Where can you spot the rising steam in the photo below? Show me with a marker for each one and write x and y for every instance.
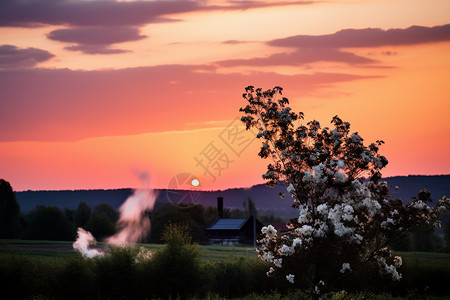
(133, 224)
(83, 242)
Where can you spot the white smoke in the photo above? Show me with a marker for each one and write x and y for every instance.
(83, 243)
(133, 224)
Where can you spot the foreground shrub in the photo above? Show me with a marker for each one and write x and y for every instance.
(75, 279)
(176, 267)
(116, 273)
(237, 278)
(127, 274)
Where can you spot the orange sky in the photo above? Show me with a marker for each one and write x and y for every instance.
(92, 94)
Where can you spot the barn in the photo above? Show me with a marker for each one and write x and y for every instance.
(227, 231)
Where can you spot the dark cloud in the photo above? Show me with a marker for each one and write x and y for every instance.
(28, 13)
(44, 104)
(369, 37)
(13, 57)
(96, 40)
(96, 35)
(328, 48)
(95, 49)
(299, 57)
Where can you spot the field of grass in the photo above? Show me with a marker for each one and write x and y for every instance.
(62, 249)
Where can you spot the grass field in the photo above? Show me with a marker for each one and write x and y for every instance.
(60, 249)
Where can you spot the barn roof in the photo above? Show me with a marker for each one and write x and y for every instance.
(228, 224)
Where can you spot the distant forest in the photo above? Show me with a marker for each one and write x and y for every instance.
(267, 200)
(55, 215)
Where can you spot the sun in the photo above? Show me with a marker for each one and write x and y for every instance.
(195, 182)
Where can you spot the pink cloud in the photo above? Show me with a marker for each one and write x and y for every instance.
(72, 105)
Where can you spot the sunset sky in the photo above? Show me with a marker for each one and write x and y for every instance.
(93, 94)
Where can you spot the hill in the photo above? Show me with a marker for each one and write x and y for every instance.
(267, 199)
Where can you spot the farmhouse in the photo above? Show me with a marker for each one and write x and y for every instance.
(233, 231)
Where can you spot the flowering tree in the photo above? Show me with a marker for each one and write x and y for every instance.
(346, 220)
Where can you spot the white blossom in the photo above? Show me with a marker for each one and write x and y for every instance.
(372, 206)
(322, 229)
(341, 230)
(348, 213)
(356, 139)
(306, 230)
(419, 205)
(356, 238)
(322, 209)
(340, 177)
(268, 256)
(389, 269)
(398, 262)
(345, 267)
(307, 176)
(286, 250)
(269, 231)
(335, 134)
(304, 214)
(319, 176)
(340, 164)
(290, 188)
(385, 224)
(277, 262)
(366, 158)
(297, 242)
(290, 278)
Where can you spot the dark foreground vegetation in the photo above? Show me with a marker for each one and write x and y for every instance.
(179, 270)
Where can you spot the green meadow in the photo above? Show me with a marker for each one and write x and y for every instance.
(50, 249)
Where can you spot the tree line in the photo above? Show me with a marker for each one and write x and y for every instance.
(53, 223)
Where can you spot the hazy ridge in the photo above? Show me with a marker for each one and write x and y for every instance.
(267, 199)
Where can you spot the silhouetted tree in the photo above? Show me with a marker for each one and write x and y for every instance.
(69, 213)
(48, 223)
(191, 215)
(9, 211)
(249, 207)
(108, 211)
(82, 215)
(100, 226)
(447, 233)
(423, 240)
(177, 265)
